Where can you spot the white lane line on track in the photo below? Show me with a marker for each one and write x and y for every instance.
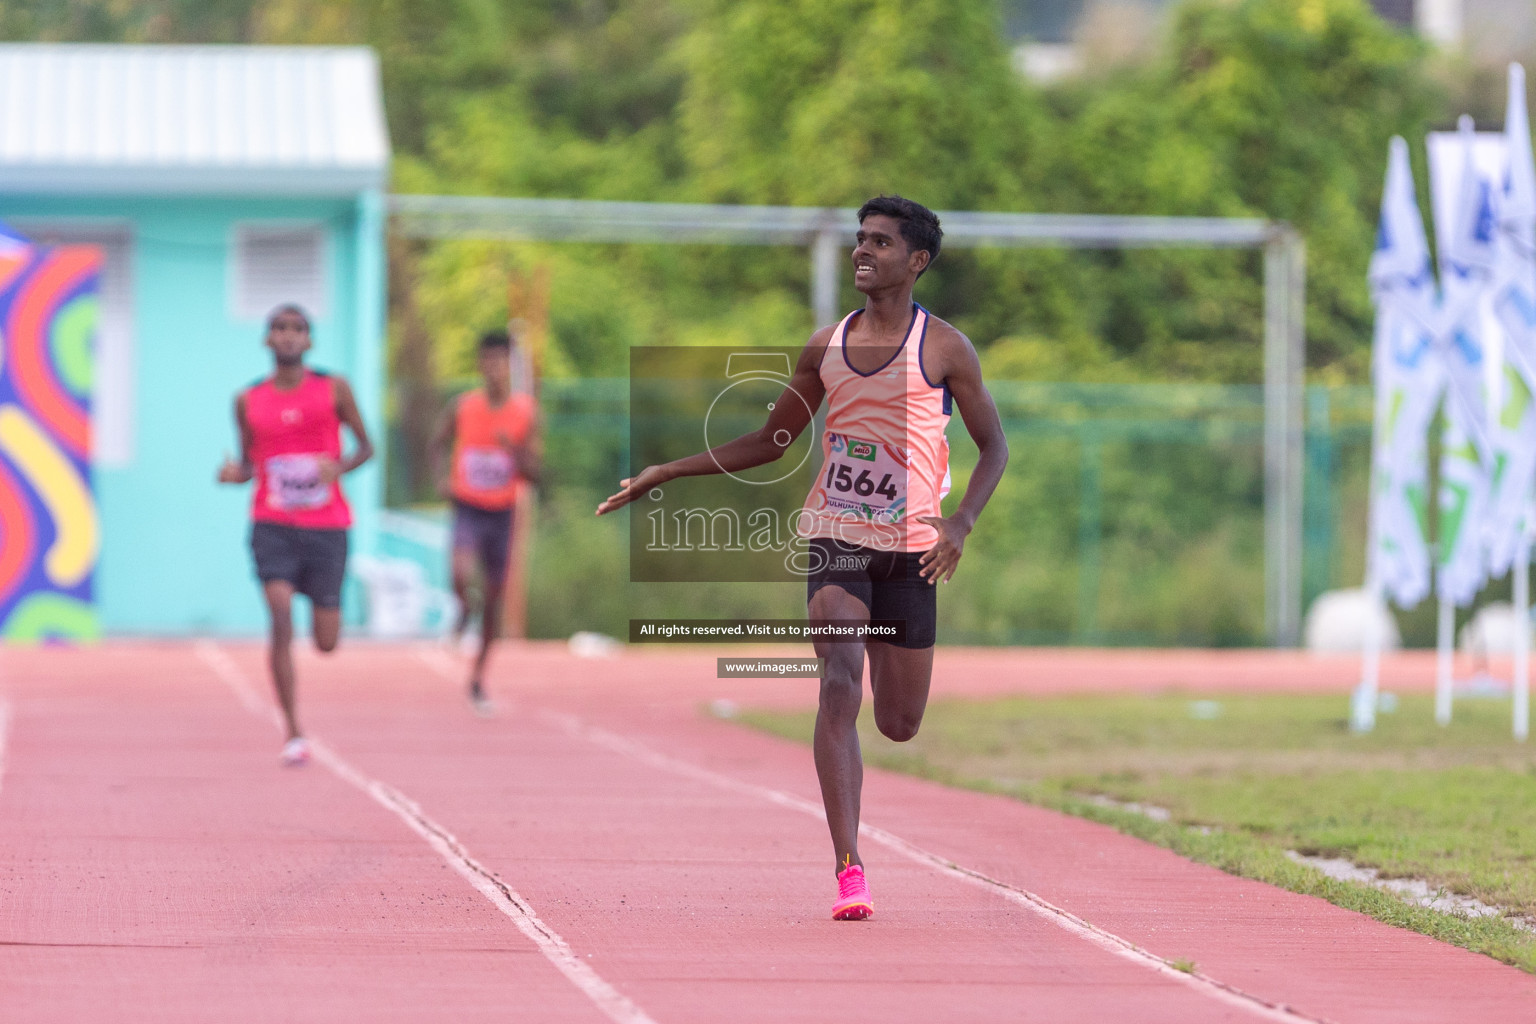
(608, 999)
(1062, 918)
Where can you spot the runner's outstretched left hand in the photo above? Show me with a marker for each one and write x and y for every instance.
(633, 488)
(939, 562)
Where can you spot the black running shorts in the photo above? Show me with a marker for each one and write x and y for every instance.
(314, 561)
(486, 532)
(886, 581)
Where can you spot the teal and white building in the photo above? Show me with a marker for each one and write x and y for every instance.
(219, 181)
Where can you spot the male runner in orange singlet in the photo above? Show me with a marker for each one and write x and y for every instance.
(889, 373)
(290, 443)
(487, 435)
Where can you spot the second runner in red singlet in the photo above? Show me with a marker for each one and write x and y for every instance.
(290, 445)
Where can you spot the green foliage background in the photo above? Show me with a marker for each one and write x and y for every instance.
(1262, 108)
(1272, 108)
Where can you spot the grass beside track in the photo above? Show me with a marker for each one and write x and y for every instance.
(1246, 778)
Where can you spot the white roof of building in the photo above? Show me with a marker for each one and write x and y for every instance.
(237, 120)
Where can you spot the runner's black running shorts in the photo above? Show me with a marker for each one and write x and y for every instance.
(886, 581)
(486, 532)
(314, 561)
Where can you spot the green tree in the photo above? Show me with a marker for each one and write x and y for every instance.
(135, 21)
(826, 102)
(1273, 108)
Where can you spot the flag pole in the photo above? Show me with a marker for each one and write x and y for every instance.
(1362, 716)
(1517, 128)
(1521, 684)
(1444, 626)
(1362, 711)
(528, 323)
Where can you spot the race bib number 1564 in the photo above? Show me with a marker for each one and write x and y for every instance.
(865, 477)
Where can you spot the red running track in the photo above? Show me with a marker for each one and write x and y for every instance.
(602, 850)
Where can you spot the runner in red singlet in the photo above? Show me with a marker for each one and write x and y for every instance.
(487, 439)
(290, 444)
(889, 373)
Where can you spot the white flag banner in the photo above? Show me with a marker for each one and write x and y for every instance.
(1409, 382)
(1513, 428)
(1467, 230)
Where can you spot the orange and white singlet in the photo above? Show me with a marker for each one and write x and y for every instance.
(885, 460)
(484, 471)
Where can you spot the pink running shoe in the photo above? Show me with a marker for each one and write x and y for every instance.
(853, 902)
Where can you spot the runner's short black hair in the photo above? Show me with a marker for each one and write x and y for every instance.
(288, 307)
(919, 225)
(494, 340)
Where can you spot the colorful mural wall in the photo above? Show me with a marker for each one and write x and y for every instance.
(49, 534)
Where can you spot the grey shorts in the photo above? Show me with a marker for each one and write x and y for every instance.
(486, 532)
(314, 561)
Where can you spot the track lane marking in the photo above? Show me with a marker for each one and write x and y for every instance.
(1059, 916)
(614, 1004)
(1219, 990)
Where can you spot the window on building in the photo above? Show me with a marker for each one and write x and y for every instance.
(112, 378)
(276, 265)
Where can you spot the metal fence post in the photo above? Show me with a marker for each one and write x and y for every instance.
(1317, 530)
(1284, 368)
(824, 273)
(1090, 533)
(1296, 346)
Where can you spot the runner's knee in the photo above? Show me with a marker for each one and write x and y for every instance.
(281, 633)
(840, 693)
(898, 726)
(327, 631)
(462, 567)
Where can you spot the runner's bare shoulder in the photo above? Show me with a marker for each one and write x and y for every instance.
(945, 349)
(816, 348)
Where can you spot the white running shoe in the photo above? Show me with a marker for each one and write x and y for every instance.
(296, 752)
(482, 705)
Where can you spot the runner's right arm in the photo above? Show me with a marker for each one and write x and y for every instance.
(530, 461)
(527, 454)
(755, 449)
(239, 472)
